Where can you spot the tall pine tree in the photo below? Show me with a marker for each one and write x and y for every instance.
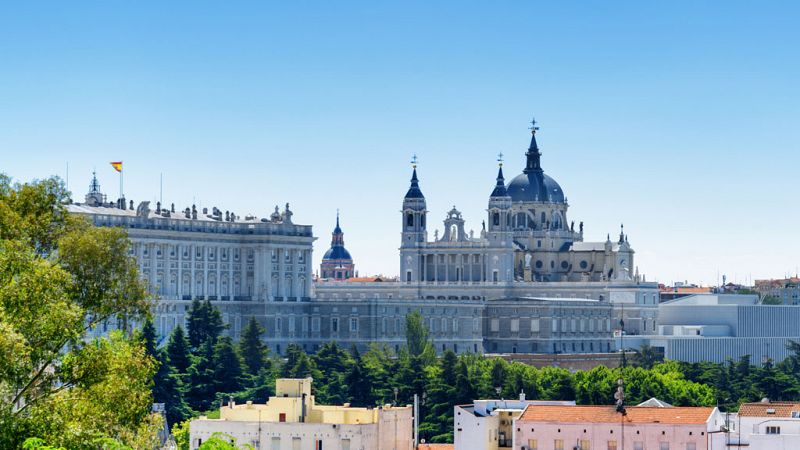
(252, 348)
(227, 367)
(205, 323)
(178, 351)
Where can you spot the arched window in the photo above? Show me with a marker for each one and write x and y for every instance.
(496, 219)
(409, 220)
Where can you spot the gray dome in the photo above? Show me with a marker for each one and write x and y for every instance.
(535, 187)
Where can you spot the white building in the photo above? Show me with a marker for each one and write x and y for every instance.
(291, 420)
(715, 327)
(488, 424)
(765, 425)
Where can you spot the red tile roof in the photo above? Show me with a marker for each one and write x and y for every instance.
(608, 414)
(777, 409)
(435, 447)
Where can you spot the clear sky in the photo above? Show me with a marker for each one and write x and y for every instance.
(679, 119)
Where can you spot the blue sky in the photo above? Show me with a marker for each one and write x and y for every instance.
(677, 119)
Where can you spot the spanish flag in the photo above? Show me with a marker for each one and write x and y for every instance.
(117, 165)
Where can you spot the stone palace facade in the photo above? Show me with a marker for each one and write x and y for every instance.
(528, 283)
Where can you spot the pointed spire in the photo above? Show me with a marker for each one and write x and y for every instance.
(621, 233)
(94, 187)
(413, 190)
(337, 237)
(534, 163)
(500, 187)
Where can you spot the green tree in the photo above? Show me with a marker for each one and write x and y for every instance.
(358, 383)
(205, 323)
(178, 351)
(647, 357)
(60, 277)
(252, 348)
(202, 382)
(418, 339)
(227, 367)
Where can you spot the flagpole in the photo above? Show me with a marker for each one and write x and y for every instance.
(120, 186)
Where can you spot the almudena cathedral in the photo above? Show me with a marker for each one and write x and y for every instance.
(529, 283)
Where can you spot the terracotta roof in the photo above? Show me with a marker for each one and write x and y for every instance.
(364, 279)
(608, 414)
(778, 409)
(435, 447)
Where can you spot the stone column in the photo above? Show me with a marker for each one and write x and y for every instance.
(257, 269)
(179, 288)
(192, 288)
(296, 271)
(281, 273)
(205, 271)
(268, 272)
(230, 273)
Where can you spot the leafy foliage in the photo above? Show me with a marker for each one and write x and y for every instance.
(61, 277)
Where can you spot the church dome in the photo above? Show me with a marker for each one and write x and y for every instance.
(337, 252)
(535, 187)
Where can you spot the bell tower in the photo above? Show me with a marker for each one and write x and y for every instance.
(500, 260)
(414, 231)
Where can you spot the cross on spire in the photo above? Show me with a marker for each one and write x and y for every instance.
(533, 126)
(500, 158)
(414, 161)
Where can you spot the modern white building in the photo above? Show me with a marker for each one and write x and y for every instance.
(715, 327)
(291, 420)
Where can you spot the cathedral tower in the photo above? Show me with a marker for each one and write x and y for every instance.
(414, 233)
(500, 258)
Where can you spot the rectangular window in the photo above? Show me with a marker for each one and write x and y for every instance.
(585, 445)
(515, 325)
(532, 445)
(494, 325)
(315, 324)
(555, 325)
(691, 446)
(663, 446)
(558, 444)
(276, 443)
(296, 443)
(612, 445)
(277, 325)
(345, 444)
(455, 325)
(353, 324)
(773, 430)
(334, 325)
(638, 445)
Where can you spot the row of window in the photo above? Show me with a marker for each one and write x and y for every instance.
(210, 253)
(563, 325)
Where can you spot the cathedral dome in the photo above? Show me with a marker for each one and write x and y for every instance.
(535, 187)
(532, 185)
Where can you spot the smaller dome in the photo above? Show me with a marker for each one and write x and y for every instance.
(337, 252)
